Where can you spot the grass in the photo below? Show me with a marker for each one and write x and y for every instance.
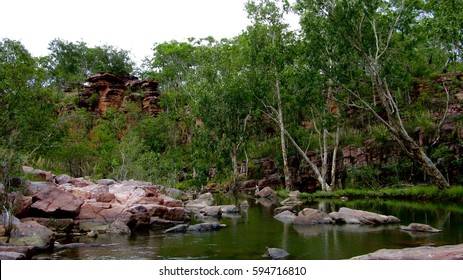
(424, 193)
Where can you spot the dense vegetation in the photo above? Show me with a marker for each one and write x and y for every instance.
(348, 75)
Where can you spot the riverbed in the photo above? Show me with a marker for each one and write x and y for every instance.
(248, 234)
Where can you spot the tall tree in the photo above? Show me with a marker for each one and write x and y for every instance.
(268, 37)
(223, 102)
(365, 37)
(27, 106)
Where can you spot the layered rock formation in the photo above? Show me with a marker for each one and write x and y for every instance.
(106, 90)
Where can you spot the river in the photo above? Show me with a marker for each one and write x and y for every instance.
(248, 234)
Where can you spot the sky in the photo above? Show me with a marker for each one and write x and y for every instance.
(132, 25)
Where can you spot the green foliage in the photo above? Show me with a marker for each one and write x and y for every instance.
(70, 63)
(366, 177)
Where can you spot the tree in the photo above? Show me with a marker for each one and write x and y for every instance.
(27, 107)
(70, 63)
(364, 37)
(268, 38)
(223, 100)
(444, 20)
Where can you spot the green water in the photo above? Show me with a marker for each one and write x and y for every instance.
(249, 233)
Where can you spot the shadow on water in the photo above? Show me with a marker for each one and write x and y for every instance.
(250, 232)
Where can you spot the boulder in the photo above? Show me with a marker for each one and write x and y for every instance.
(202, 201)
(103, 212)
(26, 251)
(212, 211)
(63, 179)
(420, 227)
(351, 216)
(106, 182)
(56, 225)
(286, 217)
(448, 252)
(267, 193)
(139, 218)
(309, 216)
(41, 174)
(118, 227)
(291, 201)
(229, 209)
(12, 256)
(197, 227)
(206, 227)
(278, 210)
(51, 201)
(276, 254)
(33, 234)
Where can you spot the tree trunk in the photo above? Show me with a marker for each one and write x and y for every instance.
(284, 150)
(233, 155)
(333, 163)
(397, 128)
(324, 158)
(314, 168)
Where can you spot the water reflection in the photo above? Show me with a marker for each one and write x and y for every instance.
(249, 233)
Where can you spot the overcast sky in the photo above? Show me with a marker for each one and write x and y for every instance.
(133, 25)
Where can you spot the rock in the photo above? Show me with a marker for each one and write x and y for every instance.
(352, 216)
(267, 203)
(202, 201)
(106, 182)
(309, 216)
(197, 227)
(140, 218)
(448, 252)
(106, 90)
(56, 225)
(276, 254)
(93, 233)
(229, 209)
(267, 193)
(171, 202)
(12, 256)
(51, 201)
(175, 193)
(159, 222)
(105, 197)
(118, 227)
(41, 174)
(278, 210)
(26, 251)
(63, 179)
(286, 217)
(206, 227)
(22, 204)
(105, 212)
(212, 211)
(33, 234)
(291, 201)
(420, 228)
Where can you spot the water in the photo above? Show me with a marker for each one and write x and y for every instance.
(249, 233)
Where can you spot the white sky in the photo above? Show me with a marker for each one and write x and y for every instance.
(130, 25)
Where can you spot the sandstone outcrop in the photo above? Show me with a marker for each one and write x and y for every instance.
(106, 90)
(352, 216)
(448, 252)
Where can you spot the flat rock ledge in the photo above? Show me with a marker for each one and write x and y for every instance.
(447, 252)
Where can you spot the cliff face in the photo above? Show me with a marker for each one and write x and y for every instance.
(105, 90)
